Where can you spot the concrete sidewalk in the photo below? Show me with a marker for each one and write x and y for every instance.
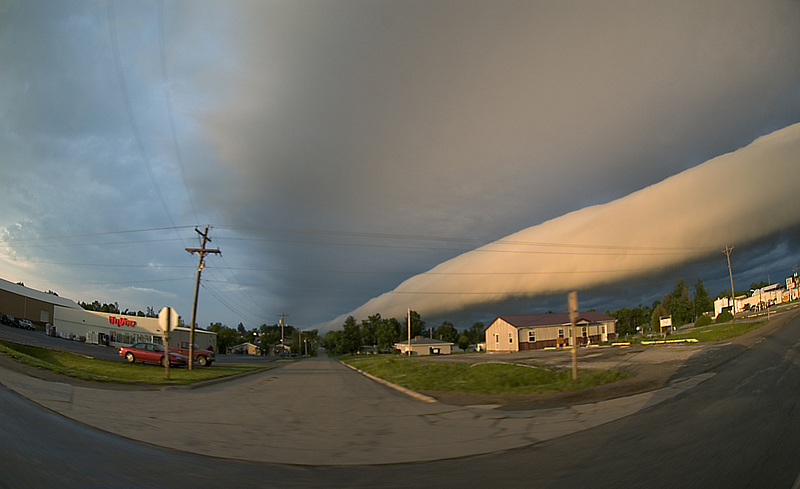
(319, 412)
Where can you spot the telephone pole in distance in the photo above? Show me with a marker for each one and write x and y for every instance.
(727, 252)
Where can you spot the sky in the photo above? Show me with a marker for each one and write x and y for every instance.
(461, 159)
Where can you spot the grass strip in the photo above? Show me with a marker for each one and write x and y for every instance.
(719, 332)
(93, 369)
(484, 378)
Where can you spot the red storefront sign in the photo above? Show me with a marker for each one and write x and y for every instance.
(121, 321)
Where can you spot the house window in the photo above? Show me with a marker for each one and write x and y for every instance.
(510, 338)
(532, 336)
(560, 333)
(603, 329)
(583, 330)
(497, 338)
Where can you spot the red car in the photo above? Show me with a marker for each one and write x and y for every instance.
(150, 353)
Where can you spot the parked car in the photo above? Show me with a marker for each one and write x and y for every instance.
(201, 357)
(26, 324)
(151, 353)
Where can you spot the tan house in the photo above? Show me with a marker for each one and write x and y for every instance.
(425, 346)
(536, 331)
(246, 348)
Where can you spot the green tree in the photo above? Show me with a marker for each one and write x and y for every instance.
(629, 320)
(226, 337)
(387, 333)
(659, 311)
(417, 324)
(701, 301)
(448, 332)
(677, 303)
(330, 342)
(476, 332)
(369, 329)
(464, 341)
(350, 339)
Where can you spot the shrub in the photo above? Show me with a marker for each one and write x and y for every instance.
(703, 320)
(724, 317)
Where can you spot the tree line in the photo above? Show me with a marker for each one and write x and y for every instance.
(379, 334)
(678, 303)
(113, 308)
(267, 338)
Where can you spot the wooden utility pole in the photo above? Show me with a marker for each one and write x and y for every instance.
(573, 318)
(202, 251)
(409, 331)
(727, 252)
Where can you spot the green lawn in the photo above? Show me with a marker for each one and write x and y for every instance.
(86, 368)
(719, 332)
(485, 378)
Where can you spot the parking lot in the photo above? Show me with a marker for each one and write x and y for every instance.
(38, 338)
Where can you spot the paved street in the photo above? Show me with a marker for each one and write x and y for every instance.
(318, 412)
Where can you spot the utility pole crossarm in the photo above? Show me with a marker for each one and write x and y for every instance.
(203, 250)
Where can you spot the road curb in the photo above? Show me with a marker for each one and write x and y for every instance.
(408, 392)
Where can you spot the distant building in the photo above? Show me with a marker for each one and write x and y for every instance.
(425, 346)
(246, 348)
(762, 298)
(536, 331)
(25, 303)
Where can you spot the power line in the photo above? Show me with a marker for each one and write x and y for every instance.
(168, 100)
(102, 233)
(613, 250)
(112, 29)
(449, 239)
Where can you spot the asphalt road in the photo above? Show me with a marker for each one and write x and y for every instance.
(741, 428)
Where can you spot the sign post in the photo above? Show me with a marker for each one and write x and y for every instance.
(167, 319)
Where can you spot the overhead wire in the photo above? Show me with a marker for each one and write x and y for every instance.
(112, 28)
(168, 100)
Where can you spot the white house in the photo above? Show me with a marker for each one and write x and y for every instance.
(246, 348)
(535, 331)
(425, 346)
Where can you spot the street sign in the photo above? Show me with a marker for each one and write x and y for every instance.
(167, 319)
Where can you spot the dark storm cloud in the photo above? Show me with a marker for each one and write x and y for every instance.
(467, 120)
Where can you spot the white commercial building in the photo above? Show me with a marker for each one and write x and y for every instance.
(103, 328)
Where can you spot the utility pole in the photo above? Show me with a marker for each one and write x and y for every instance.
(283, 341)
(573, 318)
(409, 331)
(202, 251)
(727, 252)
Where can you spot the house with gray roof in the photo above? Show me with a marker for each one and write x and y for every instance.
(536, 331)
